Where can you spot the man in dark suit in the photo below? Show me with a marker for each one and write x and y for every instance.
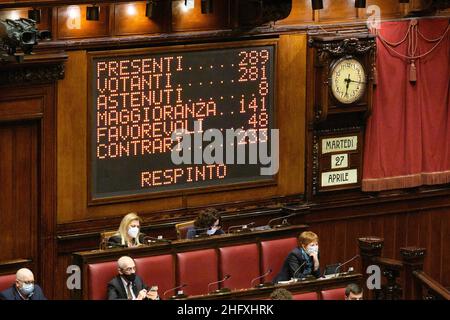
(24, 288)
(129, 286)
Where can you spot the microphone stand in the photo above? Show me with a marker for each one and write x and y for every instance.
(222, 290)
(180, 294)
(284, 221)
(343, 264)
(241, 228)
(298, 269)
(265, 284)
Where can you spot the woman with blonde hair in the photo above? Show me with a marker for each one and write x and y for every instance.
(303, 260)
(129, 234)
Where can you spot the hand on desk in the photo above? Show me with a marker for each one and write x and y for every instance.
(147, 294)
(152, 295)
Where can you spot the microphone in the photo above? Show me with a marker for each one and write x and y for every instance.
(284, 222)
(343, 264)
(227, 276)
(148, 240)
(241, 227)
(298, 269)
(179, 294)
(269, 271)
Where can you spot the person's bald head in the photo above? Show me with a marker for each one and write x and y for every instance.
(24, 275)
(126, 264)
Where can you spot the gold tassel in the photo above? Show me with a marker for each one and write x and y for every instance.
(412, 72)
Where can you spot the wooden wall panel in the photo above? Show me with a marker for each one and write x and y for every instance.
(436, 231)
(444, 257)
(18, 205)
(389, 9)
(390, 235)
(301, 13)
(71, 22)
(429, 229)
(130, 19)
(337, 10)
(184, 19)
(292, 113)
(45, 23)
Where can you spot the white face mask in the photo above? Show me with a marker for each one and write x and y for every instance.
(133, 232)
(211, 231)
(312, 249)
(27, 289)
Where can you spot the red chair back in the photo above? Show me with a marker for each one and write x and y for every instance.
(99, 276)
(197, 269)
(305, 296)
(157, 270)
(7, 281)
(274, 252)
(241, 263)
(334, 294)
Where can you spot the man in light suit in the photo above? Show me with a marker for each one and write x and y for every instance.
(127, 285)
(24, 288)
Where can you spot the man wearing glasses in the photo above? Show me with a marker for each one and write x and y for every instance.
(129, 286)
(24, 288)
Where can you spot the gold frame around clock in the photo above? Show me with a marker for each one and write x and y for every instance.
(360, 80)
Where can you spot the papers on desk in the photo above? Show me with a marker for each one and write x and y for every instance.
(287, 281)
(328, 276)
(261, 228)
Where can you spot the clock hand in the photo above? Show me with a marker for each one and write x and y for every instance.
(360, 82)
(348, 83)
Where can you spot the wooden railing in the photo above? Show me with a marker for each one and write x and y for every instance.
(404, 279)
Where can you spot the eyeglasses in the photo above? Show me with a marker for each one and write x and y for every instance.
(26, 282)
(129, 269)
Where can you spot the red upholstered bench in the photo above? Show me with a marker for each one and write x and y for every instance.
(305, 296)
(274, 252)
(241, 263)
(157, 270)
(99, 274)
(334, 294)
(197, 269)
(7, 281)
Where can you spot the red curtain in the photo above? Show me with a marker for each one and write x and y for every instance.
(408, 135)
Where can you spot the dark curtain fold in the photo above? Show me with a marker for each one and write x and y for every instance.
(408, 135)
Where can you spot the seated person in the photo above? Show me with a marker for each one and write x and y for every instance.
(281, 294)
(303, 260)
(127, 285)
(353, 292)
(207, 222)
(24, 288)
(129, 234)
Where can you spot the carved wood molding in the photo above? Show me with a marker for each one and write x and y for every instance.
(32, 74)
(35, 69)
(338, 47)
(412, 253)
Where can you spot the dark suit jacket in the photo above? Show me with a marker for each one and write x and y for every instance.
(117, 291)
(292, 265)
(13, 294)
(116, 241)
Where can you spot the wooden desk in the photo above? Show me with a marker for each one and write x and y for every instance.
(83, 259)
(315, 285)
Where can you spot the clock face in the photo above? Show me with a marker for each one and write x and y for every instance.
(348, 80)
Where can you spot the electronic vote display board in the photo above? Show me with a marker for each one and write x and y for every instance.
(137, 100)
